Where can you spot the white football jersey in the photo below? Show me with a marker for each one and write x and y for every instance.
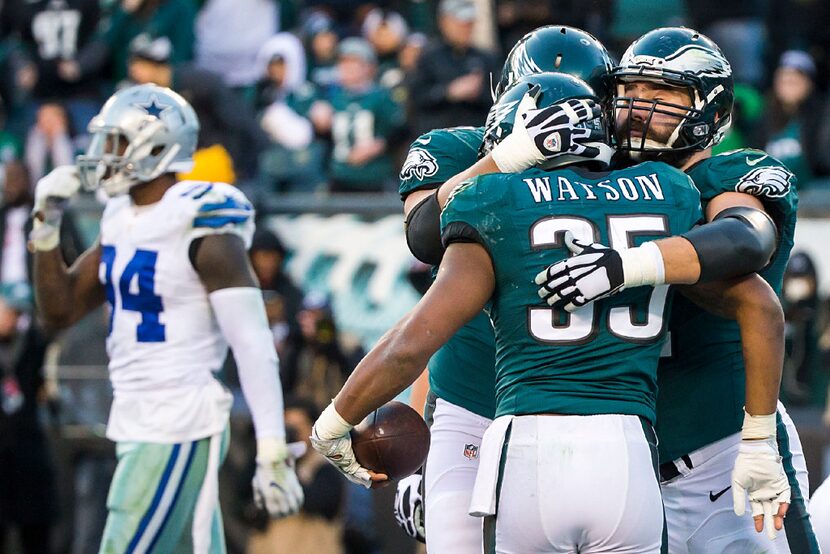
(164, 342)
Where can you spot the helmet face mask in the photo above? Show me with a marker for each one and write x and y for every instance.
(141, 133)
(673, 58)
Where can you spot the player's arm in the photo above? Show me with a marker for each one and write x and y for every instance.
(464, 283)
(223, 266)
(753, 304)
(64, 294)
(738, 239)
(758, 470)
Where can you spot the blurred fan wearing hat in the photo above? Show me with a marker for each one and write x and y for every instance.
(793, 122)
(230, 139)
(450, 86)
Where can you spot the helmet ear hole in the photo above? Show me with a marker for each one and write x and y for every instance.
(157, 150)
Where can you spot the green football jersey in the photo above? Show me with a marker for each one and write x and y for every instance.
(701, 382)
(436, 156)
(463, 371)
(602, 358)
(361, 117)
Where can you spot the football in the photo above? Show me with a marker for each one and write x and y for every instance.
(394, 439)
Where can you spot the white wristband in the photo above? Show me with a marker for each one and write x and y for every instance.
(516, 153)
(44, 236)
(271, 449)
(643, 266)
(758, 427)
(331, 425)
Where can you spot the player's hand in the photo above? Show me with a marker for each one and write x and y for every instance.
(595, 272)
(276, 488)
(330, 437)
(52, 193)
(409, 507)
(759, 472)
(564, 128)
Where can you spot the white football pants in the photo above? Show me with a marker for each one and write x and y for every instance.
(449, 477)
(569, 484)
(699, 509)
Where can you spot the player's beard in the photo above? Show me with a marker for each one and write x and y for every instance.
(659, 134)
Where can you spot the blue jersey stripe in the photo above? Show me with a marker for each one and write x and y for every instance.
(219, 221)
(148, 515)
(229, 203)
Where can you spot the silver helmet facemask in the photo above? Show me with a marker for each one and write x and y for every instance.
(141, 133)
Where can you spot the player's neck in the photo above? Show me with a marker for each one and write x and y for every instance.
(151, 192)
(696, 157)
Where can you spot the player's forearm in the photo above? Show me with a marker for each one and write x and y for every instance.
(53, 288)
(240, 314)
(386, 371)
(482, 167)
(761, 321)
(680, 261)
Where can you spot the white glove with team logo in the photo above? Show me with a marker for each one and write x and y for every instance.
(330, 437)
(276, 488)
(541, 134)
(597, 271)
(409, 507)
(759, 471)
(52, 193)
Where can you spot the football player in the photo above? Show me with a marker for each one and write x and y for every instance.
(461, 402)
(171, 264)
(674, 101)
(594, 370)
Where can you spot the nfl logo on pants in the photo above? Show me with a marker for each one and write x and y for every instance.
(470, 451)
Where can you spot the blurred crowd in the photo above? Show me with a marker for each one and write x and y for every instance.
(325, 97)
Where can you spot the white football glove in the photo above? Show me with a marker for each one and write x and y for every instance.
(330, 437)
(276, 488)
(597, 271)
(541, 134)
(409, 507)
(759, 472)
(52, 193)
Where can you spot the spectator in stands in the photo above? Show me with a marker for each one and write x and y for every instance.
(51, 34)
(283, 299)
(387, 31)
(49, 143)
(324, 491)
(450, 86)
(791, 126)
(27, 495)
(321, 45)
(799, 295)
(173, 19)
(229, 34)
(15, 258)
(224, 119)
(294, 161)
(737, 26)
(362, 120)
(316, 365)
(10, 146)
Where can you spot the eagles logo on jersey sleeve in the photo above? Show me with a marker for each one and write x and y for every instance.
(436, 156)
(751, 172)
(218, 208)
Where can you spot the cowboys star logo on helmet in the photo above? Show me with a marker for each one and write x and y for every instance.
(772, 181)
(419, 164)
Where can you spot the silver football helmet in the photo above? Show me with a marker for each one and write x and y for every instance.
(141, 132)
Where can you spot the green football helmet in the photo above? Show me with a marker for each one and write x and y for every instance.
(558, 49)
(547, 88)
(684, 58)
